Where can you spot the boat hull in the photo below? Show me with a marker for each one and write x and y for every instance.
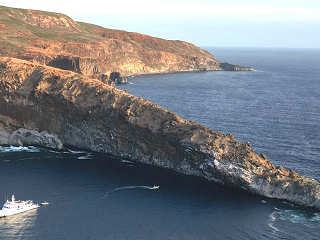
(6, 213)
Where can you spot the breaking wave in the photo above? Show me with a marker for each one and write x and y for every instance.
(85, 157)
(292, 216)
(127, 162)
(296, 216)
(272, 220)
(19, 149)
(75, 152)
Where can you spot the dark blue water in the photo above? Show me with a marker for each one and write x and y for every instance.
(276, 108)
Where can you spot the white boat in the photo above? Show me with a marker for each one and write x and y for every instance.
(14, 207)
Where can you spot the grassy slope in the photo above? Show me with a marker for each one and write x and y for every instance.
(22, 28)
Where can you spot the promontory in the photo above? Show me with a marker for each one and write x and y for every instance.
(54, 92)
(56, 40)
(46, 106)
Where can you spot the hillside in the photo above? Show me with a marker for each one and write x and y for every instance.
(56, 40)
(46, 106)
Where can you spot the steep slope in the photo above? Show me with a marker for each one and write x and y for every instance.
(56, 40)
(58, 106)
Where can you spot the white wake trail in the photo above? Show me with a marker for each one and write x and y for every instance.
(130, 188)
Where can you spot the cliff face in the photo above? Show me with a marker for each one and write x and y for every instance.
(65, 107)
(56, 40)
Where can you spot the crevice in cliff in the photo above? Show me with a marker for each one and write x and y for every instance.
(66, 63)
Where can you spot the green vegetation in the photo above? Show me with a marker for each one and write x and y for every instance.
(22, 20)
(42, 35)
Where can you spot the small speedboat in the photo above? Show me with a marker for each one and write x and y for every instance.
(155, 187)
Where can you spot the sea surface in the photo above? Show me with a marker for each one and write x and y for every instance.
(94, 196)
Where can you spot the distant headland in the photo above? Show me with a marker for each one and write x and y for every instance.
(54, 39)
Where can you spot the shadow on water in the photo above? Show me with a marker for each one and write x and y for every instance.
(76, 189)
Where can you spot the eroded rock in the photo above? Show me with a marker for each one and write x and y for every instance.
(117, 78)
(89, 114)
(26, 137)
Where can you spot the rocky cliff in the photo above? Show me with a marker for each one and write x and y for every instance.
(55, 107)
(56, 40)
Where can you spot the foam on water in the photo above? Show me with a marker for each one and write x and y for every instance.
(127, 162)
(298, 216)
(19, 149)
(281, 217)
(272, 219)
(75, 152)
(86, 157)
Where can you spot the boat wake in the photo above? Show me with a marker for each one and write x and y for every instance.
(131, 188)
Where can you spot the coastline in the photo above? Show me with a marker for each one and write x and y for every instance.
(88, 114)
(191, 71)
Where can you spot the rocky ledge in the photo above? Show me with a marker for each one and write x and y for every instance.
(49, 106)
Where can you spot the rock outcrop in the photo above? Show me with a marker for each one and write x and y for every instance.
(89, 114)
(56, 40)
(117, 78)
(27, 137)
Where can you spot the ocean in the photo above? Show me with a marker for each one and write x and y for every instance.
(93, 196)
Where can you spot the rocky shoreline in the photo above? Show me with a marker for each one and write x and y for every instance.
(41, 105)
(236, 69)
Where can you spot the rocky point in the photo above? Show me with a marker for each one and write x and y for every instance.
(51, 107)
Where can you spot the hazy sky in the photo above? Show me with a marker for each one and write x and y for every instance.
(248, 23)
